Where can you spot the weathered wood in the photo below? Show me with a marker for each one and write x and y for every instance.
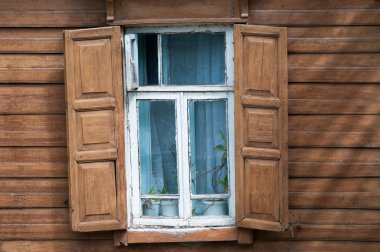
(333, 169)
(46, 232)
(32, 99)
(339, 155)
(334, 217)
(335, 74)
(217, 234)
(333, 107)
(261, 140)
(32, 154)
(32, 130)
(33, 185)
(166, 11)
(31, 68)
(28, 200)
(325, 232)
(53, 18)
(35, 216)
(258, 246)
(33, 169)
(315, 17)
(312, 5)
(93, 68)
(334, 185)
(334, 91)
(349, 200)
(31, 40)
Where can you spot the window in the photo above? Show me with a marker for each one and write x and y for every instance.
(180, 126)
(177, 112)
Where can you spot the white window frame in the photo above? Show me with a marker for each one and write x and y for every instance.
(181, 95)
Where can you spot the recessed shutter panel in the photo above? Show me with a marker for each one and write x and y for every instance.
(261, 127)
(95, 134)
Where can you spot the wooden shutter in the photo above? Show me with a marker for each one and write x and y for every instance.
(95, 118)
(261, 127)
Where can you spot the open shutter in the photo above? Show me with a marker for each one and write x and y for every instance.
(95, 134)
(261, 127)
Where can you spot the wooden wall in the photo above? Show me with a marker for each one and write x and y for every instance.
(334, 127)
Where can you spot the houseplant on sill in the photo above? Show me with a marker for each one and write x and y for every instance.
(214, 206)
(169, 207)
(151, 207)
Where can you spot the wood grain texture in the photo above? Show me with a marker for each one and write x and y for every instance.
(32, 99)
(168, 11)
(318, 17)
(261, 139)
(93, 67)
(258, 246)
(31, 40)
(313, 5)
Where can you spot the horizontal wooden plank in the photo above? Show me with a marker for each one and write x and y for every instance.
(315, 17)
(334, 217)
(325, 232)
(333, 107)
(31, 68)
(335, 123)
(31, 40)
(47, 232)
(33, 169)
(334, 170)
(328, 200)
(334, 45)
(334, 60)
(335, 74)
(334, 139)
(52, 18)
(59, 185)
(32, 200)
(32, 99)
(341, 155)
(35, 216)
(334, 185)
(312, 5)
(46, 5)
(32, 130)
(257, 246)
(33, 154)
(334, 91)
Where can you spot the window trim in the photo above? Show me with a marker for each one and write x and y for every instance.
(206, 92)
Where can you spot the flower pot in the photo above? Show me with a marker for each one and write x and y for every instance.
(169, 208)
(151, 208)
(215, 207)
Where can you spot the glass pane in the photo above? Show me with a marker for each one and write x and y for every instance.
(157, 147)
(148, 59)
(209, 207)
(208, 146)
(193, 59)
(159, 207)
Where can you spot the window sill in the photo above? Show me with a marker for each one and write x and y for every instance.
(177, 235)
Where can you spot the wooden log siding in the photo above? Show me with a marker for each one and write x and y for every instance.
(334, 110)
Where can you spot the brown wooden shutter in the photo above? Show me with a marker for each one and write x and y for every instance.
(95, 118)
(261, 127)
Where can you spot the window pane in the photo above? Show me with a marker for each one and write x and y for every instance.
(148, 59)
(159, 207)
(208, 147)
(193, 59)
(157, 147)
(210, 207)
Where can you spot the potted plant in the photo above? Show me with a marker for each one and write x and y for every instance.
(151, 207)
(169, 207)
(219, 185)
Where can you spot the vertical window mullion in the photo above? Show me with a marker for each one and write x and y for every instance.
(185, 164)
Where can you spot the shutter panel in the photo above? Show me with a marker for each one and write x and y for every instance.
(95, 131)
(261, 127)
